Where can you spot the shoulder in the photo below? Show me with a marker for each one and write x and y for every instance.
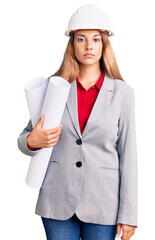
(122, 85)
(125, 95)
(122, 88)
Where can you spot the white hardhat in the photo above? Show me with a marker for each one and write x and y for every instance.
(89, 16)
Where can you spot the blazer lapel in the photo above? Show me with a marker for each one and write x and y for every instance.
(102, 100)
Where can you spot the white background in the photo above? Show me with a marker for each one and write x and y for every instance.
(32, 43)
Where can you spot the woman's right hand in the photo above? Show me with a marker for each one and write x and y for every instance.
(42, 138)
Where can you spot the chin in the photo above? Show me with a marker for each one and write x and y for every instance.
(87, 61)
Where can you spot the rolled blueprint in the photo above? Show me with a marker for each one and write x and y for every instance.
(53, 104)
(35, 91)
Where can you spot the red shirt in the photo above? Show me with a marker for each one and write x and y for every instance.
(86, 100)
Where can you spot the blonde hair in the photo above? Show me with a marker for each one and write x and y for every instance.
(69, 68)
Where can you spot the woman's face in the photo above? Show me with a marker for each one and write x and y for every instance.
(88, 41)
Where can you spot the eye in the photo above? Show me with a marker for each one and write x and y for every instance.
(97, 39)
(79, 39)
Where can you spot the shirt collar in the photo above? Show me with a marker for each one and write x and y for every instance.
(98, 84)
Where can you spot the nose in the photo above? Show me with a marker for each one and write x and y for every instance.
(88, 45)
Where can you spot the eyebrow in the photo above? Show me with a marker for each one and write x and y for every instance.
(84, 35)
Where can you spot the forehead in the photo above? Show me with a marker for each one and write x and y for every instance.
(87, 32)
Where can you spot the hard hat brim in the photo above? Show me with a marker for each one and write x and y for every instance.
(68, 33)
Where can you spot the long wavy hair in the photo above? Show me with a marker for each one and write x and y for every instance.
(69, 68)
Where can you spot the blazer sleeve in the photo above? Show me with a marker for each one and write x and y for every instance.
(21, 141)
(128, 165)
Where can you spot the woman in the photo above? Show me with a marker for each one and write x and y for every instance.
(90, 187)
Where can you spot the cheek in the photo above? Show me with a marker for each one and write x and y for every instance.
(99, 50)
(76, 50)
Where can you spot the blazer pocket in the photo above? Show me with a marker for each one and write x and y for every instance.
(109, 165)
(54, 160)
(49, 173)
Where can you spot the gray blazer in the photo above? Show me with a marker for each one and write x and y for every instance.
(93, 174)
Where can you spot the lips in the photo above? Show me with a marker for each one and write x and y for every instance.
(88, 54)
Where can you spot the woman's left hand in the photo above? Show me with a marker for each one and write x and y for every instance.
(127, 231)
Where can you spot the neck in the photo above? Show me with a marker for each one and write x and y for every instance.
(89, 73)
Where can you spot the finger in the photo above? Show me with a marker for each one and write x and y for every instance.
(41, 120)
(46, 145)
(118, 231)
(128, 234)
(50, 136)
(52, 140)
(52, 144)
(124, 236)
(54, 130)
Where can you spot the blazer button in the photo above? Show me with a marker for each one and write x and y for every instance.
(79, 164)
(79, 141)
